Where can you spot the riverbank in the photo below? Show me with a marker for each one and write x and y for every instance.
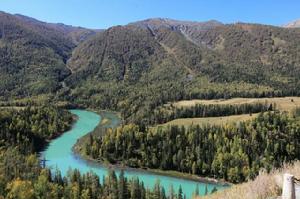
(108, 120)
(112, 120)
(169, 173)
(59, 155)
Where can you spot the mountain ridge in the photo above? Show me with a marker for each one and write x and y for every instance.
(137, 67)
(76, 33)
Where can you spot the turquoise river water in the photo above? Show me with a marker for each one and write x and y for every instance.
(59, 155)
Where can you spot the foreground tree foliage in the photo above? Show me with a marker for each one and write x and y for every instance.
(232, 152)
(22, 177)
(27, 180)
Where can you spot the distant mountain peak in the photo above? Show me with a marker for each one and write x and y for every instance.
(172, 23)
(191, 30)
(293, 24)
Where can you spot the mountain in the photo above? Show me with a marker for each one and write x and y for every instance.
(293, 24)
(77, 34)
(189, 29)
(33, 54)
(137, 67)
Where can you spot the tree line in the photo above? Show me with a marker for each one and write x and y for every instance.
(170, 112)
(234, 152)
(22, 177)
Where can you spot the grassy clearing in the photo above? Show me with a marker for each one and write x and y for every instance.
(283, 103)
(210, 120)
(12, 107)
(264, 186)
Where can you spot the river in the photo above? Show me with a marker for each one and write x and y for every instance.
(59, 155)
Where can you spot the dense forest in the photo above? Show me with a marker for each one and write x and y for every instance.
(22, 176)
(29, 128)
(232, 152)
(170, 112)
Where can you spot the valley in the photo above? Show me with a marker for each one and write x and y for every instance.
(155, 109)
(86, 122)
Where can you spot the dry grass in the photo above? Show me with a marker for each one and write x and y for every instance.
(12, 107)
(283, 103)
(264, 186)
(210, 120)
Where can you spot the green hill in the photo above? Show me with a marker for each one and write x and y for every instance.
(33, 55)
(137, 67)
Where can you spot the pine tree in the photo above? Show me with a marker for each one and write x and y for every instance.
(122, 187)
(197, 190)
(206, 190)
(172, 193)
(180, 194)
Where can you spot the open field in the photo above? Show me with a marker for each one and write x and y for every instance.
(283, 103)
(12, 107)
(263, 186)
(210, 120)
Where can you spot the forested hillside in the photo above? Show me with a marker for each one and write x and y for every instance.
(33, 55)
(32, 59)
(76, 34)
(138, 67)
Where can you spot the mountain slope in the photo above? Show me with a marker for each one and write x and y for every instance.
(33, 54)
(189, 29)
(76, 34)
(142, 65)
(32, 57)
(255, 51)
(137, 67)
(226, 53)
(115, 53)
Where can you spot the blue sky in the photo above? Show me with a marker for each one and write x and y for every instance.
(106, 13)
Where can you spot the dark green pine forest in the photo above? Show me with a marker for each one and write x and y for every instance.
(232, 152)
(136, 70)
(22, 176)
